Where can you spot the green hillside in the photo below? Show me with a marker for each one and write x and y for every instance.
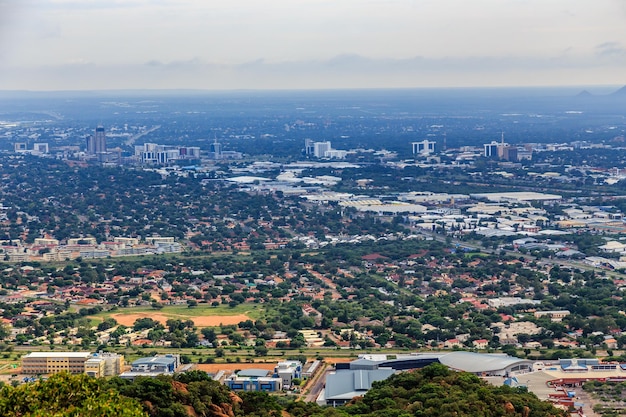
(433, 391)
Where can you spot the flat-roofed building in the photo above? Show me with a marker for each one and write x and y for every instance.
(153, 366)
(40, 363)
(425, 147)
(287, 371)
(130, 241)
(46, 241)
(517, 197)
(159, 239)
(94, 367)
(555, 315)
(104, 364)
(245, 383)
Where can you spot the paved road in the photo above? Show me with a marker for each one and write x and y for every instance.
(132, 139)
(315, 387)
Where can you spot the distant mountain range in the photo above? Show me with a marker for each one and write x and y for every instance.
(619, 93)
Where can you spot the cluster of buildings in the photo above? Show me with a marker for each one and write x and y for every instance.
(98, 365)
(50, 249)
(38, 149)
(93, 364)
(155, 154)
(355, 378)
(323, 150)
(96, 149)
(506, 152)
(284, 376)
(493, 150)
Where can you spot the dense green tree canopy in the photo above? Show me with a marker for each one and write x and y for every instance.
(436, 391)
(65, 395)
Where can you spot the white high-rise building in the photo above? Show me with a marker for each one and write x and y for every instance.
(320, 149)
(424, 147)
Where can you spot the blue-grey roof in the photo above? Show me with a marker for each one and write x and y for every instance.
(253, 373)
(159, 360)
(347, 384)
(480, 362)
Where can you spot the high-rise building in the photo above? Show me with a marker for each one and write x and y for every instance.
(101, 140)
(215, 150)
(491, 149)
(424, 147)
(509, 153)
(320, 149)
(97, 143)
(309, 146)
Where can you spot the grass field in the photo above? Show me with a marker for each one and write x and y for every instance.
(202, 315)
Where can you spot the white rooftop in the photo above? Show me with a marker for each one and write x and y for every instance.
(517, 196)
(58, 355)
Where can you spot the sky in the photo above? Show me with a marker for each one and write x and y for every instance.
(309, 44)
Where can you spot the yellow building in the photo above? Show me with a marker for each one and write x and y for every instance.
(96, 364)
(104, 364)
(94, 367)
(39, 363)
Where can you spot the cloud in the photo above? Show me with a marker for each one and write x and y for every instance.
(610, 49)
(341, 71)
(75, 5)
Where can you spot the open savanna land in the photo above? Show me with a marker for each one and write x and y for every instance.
(201, 315)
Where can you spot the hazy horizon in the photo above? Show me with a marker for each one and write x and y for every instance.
(56, 45)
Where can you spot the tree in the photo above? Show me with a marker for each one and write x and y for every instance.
(260, 350)
(209, 334)
(66, 395)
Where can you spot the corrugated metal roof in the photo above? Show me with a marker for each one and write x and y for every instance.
(346, 384)
(253, 373)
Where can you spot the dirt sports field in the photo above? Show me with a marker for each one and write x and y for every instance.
(199, 321)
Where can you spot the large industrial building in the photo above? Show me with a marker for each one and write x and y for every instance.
(355, 378)
(517, 197)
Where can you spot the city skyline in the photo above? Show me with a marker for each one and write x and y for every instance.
(311, 44)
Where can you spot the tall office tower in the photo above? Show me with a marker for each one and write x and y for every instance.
(216, 149)
(320, 149)
(491, 149)
(91, 147)
(97, 143)
(100, 140)
(509, 153)
(309, 146)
